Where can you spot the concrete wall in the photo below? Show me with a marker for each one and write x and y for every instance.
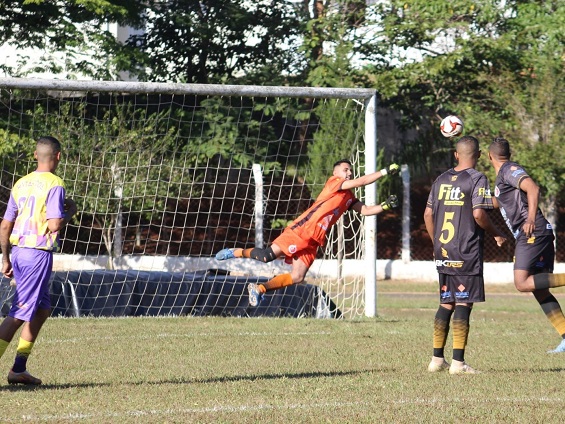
(386, 269)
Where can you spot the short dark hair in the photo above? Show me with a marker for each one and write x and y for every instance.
(339, 162)
(50, 142)
(500, 147)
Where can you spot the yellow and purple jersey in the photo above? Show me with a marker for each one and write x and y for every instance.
(34, 199)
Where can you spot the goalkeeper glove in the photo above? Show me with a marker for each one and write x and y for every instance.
(392, 169)
(390, 203)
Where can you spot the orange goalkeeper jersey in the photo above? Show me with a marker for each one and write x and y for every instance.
(332, 202)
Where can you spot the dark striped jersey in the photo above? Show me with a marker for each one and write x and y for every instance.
(513, 202)
(458, 240)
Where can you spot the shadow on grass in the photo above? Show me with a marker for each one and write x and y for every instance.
(227, 379)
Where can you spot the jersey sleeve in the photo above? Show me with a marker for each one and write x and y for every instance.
(12, 210)
(514, 174)
(482, 198)
(55, 203)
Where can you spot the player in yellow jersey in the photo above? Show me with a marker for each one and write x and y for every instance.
(300, 240)
(29, 234)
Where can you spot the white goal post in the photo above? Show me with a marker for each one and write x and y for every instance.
(167, 174)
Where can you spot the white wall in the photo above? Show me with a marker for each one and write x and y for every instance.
(386, 269)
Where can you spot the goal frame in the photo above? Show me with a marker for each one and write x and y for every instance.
(368, 96)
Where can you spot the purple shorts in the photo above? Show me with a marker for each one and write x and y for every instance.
(32, 270)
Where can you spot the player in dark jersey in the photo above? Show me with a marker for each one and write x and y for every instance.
(300, 240)
(456, 220)
(517, 196)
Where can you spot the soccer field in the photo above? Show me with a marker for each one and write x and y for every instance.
(246, 370)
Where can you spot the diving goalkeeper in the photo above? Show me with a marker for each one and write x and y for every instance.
(299, 242)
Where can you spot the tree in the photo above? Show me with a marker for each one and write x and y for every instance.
(71, 35)
(212, 41)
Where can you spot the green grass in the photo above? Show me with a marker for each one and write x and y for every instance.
(247, 370)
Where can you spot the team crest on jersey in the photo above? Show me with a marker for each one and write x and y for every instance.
(292, 249)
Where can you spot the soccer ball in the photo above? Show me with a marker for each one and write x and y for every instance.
(451, 126)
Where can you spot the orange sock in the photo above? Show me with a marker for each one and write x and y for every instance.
(276, 282)
(238, 252)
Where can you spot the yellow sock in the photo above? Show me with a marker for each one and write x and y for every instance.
(3, 345)
(24, 347)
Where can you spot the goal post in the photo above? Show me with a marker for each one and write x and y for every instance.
(167, 174)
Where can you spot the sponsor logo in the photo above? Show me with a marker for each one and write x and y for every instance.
(531, 240)
(496, 191)
(444, 253)
(348, 203)
(549, 227)
(22, 305)
(517, 172)
(451, 195)
(445, 294)
(485, 192)
(292, 248)
(462, 295)
(449, 264)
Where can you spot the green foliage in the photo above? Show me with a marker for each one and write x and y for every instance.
(212, 41)
(72, 36)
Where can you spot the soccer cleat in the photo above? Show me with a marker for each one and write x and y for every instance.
(436, 366)
(458, 367)
(23, 378)
(558, 349)
(254, 295)
(224, 254)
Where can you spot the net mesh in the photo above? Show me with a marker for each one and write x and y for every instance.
(163, 181)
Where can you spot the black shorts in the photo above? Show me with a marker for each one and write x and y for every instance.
(534, 254)
(461, 288)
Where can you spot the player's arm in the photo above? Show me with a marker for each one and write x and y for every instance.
(57, 224)
(5, 231)
(361, 208)
(532, 191)
(364, 180)
(483, 220)
(429, 221)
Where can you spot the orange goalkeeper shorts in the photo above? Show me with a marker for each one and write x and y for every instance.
(295, 248)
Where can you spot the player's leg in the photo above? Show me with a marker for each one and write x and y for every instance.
(531, 260)
(552, 310)
(441, 330)
(441, 324)
(264, 255)
(300, 265)
(461, 325)
(533, 267)
(468, 290)
(32, 269)
(8, 329)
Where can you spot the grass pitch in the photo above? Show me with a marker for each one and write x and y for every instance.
(247, 370)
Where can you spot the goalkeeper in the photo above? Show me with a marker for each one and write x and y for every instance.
(300, 240)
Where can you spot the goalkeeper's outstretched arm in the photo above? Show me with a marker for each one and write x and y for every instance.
(390, 203)
(364, 180)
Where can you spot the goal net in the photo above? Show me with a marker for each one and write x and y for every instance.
(166, 175)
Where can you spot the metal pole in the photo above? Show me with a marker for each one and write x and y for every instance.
(370, 199)
(259, 216)
(405, 172)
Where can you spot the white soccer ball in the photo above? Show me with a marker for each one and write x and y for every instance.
(451, 126)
